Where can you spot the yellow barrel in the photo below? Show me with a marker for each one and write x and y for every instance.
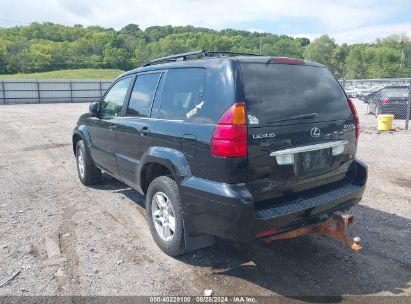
(385, 122)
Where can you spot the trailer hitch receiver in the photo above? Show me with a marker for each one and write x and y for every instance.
(334, 226)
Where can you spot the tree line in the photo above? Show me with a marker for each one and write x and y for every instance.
(40, 47)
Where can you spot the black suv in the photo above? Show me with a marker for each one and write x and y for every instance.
(227, 145)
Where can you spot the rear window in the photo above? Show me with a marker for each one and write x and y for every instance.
(395, 92)
(275, 92)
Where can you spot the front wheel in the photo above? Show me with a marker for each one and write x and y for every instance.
(165, 215)
(88, 173)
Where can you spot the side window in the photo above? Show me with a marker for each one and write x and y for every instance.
(113, 101)
(183, 93)
(142, 95)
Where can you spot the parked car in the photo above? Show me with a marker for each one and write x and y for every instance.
(363, 91)
(389, 100)
(367, 94)
(234, 146)
(351, 92)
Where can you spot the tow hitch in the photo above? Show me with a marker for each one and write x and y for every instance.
(334, 226)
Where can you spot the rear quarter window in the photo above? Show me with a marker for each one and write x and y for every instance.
(276, 91)
(196, 95)
(183, 94)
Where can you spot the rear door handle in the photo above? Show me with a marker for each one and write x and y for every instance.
(112, 127)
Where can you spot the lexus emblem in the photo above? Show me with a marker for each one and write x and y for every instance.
(315, 132)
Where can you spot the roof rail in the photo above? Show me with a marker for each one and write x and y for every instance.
(226, 54)
(205, 54)
(176, 57)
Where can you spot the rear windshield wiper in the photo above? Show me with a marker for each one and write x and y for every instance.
(303, 116)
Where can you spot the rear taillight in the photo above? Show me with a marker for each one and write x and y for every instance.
(230, 134)
(386, 100)
(356, 119)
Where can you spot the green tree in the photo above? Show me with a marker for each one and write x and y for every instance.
(131, 29)
(356, 65)
(40, 55)
(46, 46)
(115, 58)
(339, 56)
(385, 62)
(3, 57)
(322, 50)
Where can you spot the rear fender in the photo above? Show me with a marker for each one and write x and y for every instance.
(174, 160)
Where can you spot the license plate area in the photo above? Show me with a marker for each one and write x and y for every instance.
(311, 161)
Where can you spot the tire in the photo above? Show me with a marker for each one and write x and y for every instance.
(377, 111)
(161, 194)
(88, 173)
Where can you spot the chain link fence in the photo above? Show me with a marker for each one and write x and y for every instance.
(14, 91)
(383, 96)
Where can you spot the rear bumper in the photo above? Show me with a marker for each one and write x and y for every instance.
(228, 211)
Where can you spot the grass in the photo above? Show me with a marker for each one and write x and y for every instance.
(69, 74)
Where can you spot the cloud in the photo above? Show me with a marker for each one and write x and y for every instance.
(364, 34)
(76, 8)
(309, 36)
(256, 30)
(347, 19)
(370, 34)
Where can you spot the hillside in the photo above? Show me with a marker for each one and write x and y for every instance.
(41, 47)
(69, 74)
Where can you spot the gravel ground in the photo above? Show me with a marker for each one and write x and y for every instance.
(58, 237)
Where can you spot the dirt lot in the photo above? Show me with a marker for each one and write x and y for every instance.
(60, 238)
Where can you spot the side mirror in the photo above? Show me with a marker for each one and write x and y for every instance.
(93, 109)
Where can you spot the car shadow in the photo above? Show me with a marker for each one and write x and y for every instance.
(110, 183)
(309, 266)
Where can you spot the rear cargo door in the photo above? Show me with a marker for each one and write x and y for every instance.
(301, 132)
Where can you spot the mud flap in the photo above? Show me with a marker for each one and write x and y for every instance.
(197, 242)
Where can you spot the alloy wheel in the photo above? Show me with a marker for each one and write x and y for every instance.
(80, 162)
(163, 216)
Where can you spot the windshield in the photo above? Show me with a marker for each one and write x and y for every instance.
(275, 92)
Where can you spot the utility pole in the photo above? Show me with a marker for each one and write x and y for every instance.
(261, 44)
(402, 58)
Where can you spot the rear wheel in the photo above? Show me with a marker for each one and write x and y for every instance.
(88, 173)
(165, 215)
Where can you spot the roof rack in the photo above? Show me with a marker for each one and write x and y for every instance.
(227, 54)
(204, 54)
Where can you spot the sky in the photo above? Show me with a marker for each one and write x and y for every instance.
(347, 21)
